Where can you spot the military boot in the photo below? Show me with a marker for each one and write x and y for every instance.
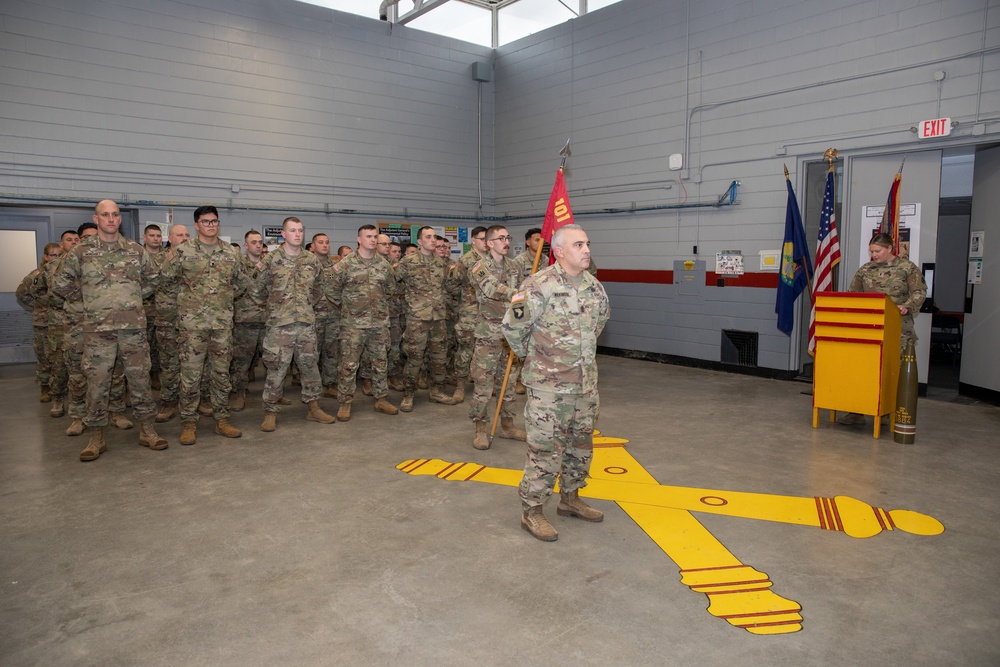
(205, 408)
(510, 432)
(396, 384)
(422, 382)
(366, 386)
(481, 441)
(95, 447)
(519, 388)
(570, 504)
(188, 433)
(385, 407)
(438, 396)
(344, 412)
(284, 401)
(58, 408)
(166, 413)
(316, 414)
(406, 405)
(534, 521)
(459, 395)
(270, 422)
(330, 392)
(76, 428)
(223, 428)
(239, 402)
(120, 421)
(148, 436)
(44, 396)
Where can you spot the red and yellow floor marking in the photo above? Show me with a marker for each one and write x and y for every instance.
(737, 592)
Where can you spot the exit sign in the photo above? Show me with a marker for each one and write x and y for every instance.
(937, 127)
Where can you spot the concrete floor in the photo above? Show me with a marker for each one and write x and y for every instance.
(308, 547)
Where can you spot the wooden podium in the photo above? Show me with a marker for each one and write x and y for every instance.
(857, 355)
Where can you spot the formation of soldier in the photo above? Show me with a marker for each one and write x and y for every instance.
(114, 320)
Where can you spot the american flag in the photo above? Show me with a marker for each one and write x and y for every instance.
(827, 254)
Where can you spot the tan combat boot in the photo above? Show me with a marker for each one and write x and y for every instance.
(316, 414)
(58, 408)
(519, 388)
(44, 396)
(239, 402)
(95, 447)
(510, 432)
(459, 395)
(344, 412)
(120, 421)
(366, 386)
(188, 433)
(284, 401)
(166, 413)
(76, 428)
(570, 504)
(205, 408)
(422, 382)
(148, 436)
(224, 428)
(438, 396)
(396, 384)
(481, 441)
(406, 405)
(535, 523)
(330, 392)
(385, 407)
(270, 422)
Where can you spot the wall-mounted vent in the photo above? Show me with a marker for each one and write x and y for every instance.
(739, 347)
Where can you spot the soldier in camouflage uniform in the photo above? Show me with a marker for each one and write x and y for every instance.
(58, 374)
(249, 315)
(360, 285)
(76, 383)
(524, 263)
(209, 275)
(463, 307)
(553, 323)
(32, 295)
(152, 242)
(112, 274)
(422, 276)
(167, 333)
(397, 324)
(899, 279)
(495, 280)
(290, 282)
(327, 318)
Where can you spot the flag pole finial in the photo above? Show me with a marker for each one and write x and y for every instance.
(831, 155)
(565, 152)
(786, 170)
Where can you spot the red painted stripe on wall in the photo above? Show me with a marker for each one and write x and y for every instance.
(647, 277)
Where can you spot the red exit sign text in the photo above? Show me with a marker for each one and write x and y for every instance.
(937, 127)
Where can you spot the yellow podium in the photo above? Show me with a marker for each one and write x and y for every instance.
(857, 355)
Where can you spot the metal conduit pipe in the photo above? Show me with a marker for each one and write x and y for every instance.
(728, 198)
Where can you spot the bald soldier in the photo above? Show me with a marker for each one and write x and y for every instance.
(112, 274)
(553, 323)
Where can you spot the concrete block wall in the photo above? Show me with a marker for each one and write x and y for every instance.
(739, 89)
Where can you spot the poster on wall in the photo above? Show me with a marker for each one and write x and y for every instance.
(272, 236)
(909, 231)
(396, 231)
(729, 262)
(976, 241)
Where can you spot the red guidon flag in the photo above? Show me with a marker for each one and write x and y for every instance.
(557, 214)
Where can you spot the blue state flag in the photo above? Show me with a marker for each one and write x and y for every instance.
(795, 265)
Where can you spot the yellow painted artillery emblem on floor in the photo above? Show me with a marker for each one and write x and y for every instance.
(737, 593)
